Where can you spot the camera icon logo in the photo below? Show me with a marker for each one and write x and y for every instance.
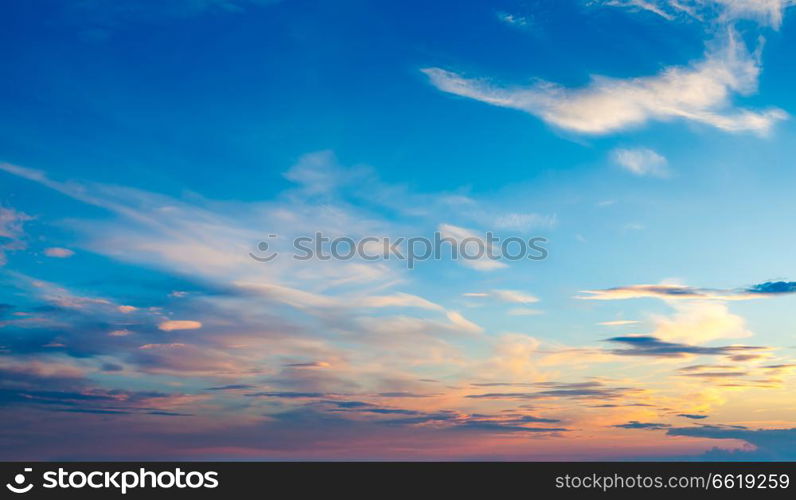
(19, 481)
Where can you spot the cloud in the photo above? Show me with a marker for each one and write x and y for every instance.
(479, 254)
(508, 296)
(764, 444)
(661, 291)
(212, 240)
(58, 253)
(773, 288)
(647, 5)
(635, 424)
(583, 390)
(173, 325)
(747, 357)
(454, 421)
(766, 12)
(290, 395)
(11, 223)
(64, 298)
(402, 394)
(512, 358)
(645, 345)
(699, 322)
(641, 162)
(191, 360)
(514, 297)
(684, 292)
(231, 387)
(56, 386)
(463, 324)
(692, 416)
(319, 174)
(311, 364)
(441, 420)
(713, 375)
(779, 369)
(699, 92)
(11, 230)
(399, 300)
(514, 19)
(321, 350)
(525, 221)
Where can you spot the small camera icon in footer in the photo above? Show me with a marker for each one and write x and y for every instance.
(19, 481)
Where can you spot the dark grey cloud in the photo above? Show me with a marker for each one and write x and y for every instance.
(580, 390)
(563, 393)
(515, 422)
(290, 395)
(768, 444)
(531, 418)
(778, 368)
(715, 374)
(496, 426)
(646, 345)
(635, 424)
(739, 358)
(65, 393)
(773, 288)
(701, 367)
(230, 387)
(692, 416)
(485, 423)
(350, 404)
(305, 432)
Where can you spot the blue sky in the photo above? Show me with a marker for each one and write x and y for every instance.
(146, 150)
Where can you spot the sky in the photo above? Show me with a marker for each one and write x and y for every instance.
(159, 160)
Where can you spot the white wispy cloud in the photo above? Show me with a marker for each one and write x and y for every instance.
(514, 296)
(211, 241)
(525, 221)
(766, 12)
(648, 5)
(641, 161)
(619, 322)
(514, 19)
(699, 92)
(474, 245)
